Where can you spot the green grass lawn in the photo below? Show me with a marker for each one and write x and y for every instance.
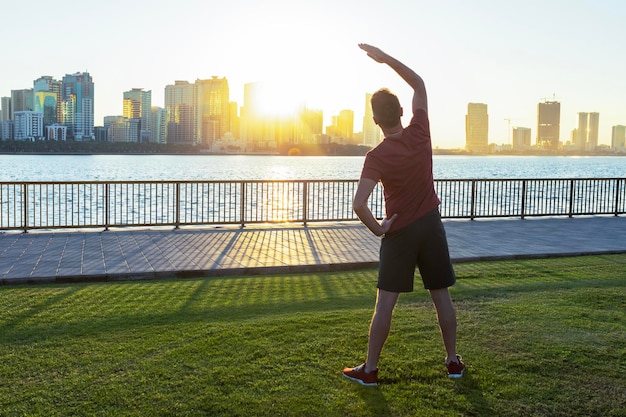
(540, 338)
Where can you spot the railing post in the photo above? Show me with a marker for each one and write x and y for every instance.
(523, 199)
(242, 209)
(571, 198)
(617, 183)
(305, 199)
(107, 209)
(25, 214)
(177, 206)
(473, 201)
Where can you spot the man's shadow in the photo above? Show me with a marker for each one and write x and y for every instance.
(467, 386)
(470, 389)
(374, 400)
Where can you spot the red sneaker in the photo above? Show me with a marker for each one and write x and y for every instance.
(358, 374)
(455, 368)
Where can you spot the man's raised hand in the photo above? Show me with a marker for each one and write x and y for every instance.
(374, 53)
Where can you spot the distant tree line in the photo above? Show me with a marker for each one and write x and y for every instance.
(91, 147)
(330, 149)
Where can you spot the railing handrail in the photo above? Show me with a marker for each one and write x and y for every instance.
(305, 180)
(29, 205)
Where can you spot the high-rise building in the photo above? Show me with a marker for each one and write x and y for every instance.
(21, 100)
(49, 84)
(7, 111)
(586, 134)
(582, 131)
(134, 131)
(158, 124)
(246, 115)
(371, 132)
(521, 138)
(6, 129)
(138, 105)
(548, 124)
(618, 138)
(181, 106)
(213, 109)
(131, 107)
(234, 120)
(77, 96)
(594, 128)
(117, 128)
(341, 129)
(257, 132)
(345, 125)
(46, 102)
(477, 128)
(309, 127)
(28, 125)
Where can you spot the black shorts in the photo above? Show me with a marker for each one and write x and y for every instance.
(423, 244)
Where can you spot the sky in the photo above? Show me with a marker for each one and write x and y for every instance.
(509, 55)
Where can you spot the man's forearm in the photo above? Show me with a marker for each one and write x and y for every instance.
(407, 74)
(367, 218)
(420, 100)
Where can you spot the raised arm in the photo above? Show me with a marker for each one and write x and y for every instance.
(415, 81)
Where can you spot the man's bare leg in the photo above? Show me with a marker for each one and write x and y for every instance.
(446, 316)
(379, 327)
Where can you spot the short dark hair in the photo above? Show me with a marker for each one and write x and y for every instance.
(386, 108)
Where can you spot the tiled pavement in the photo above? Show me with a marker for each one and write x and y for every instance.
(63, 256)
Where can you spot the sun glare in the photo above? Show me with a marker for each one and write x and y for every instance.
(275, 99)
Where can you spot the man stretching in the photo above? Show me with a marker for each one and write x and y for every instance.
(412, 232)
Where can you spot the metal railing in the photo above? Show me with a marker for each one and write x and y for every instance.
(49, 205)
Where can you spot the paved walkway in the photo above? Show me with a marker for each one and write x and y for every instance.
(65, 256)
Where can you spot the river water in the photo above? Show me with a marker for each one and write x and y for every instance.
(15, 168)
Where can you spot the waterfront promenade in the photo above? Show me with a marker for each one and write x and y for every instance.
(154, 253)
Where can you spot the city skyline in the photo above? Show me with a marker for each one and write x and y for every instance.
(510, 57)
(211, 99)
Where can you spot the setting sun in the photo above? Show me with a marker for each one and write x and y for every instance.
(274, 99)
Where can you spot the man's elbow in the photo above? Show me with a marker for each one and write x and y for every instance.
(359, 207)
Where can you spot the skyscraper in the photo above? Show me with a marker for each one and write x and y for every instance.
(582, 131)
(132, 103)
(521, 138)
(477, 128)
(6, 130)
(257, 132)
(371, 132)
(618, 138)
(21, 100)
(138, 105)
(48, 84)
(548, 124)
(345, 125)
(234, 120)
(213, 109)
(5, 105)
(77, 100)
(158, 124)
(594, 127)
(309, 127)
(586, 137)
(117, 128)
(181, 106)
(46, 102)
(28, 125)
